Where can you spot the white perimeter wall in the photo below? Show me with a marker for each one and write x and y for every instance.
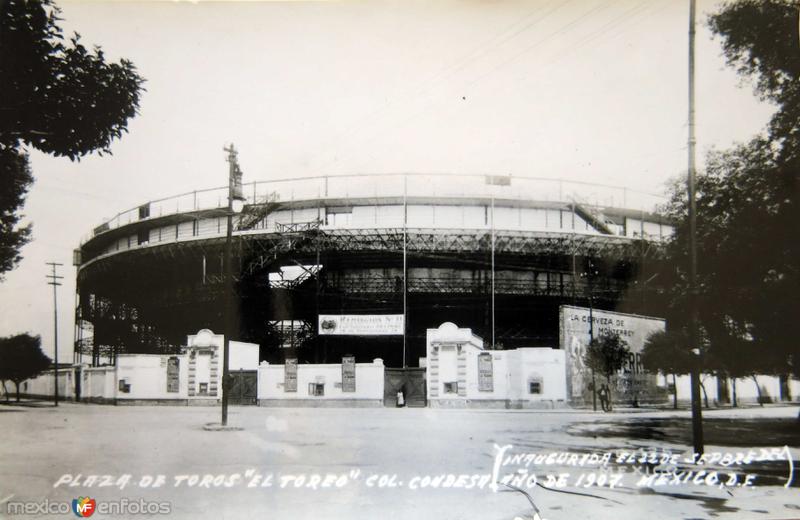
(500, 376)
(746, 391)
(99, 383)
(44, 383)
(511, 372)
(147, 376)
(369, 381)
(546, 365)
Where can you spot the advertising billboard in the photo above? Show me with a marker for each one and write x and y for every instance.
(361, 324)
(348, 374)
(290, 375)
(632, 382)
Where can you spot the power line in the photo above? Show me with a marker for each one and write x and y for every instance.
(561, 30)
(459, 65)
(637, 10)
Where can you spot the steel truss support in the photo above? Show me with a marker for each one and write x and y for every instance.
(528, 264)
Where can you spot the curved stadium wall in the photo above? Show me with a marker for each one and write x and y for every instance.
(497, 254)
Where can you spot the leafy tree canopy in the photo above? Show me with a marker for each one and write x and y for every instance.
(606, 354)
(667, 352)
(748, 207)
(760, 40)
(15, 179)
(58, 97)
(21, 358)
(747, 243)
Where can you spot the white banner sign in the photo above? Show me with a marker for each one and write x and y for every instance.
(361, 324)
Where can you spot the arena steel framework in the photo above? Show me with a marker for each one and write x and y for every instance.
(495, 253)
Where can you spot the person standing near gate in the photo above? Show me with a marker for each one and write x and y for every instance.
(603, 394)
(401, 396)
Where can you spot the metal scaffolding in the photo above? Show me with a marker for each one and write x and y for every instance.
(127, 297)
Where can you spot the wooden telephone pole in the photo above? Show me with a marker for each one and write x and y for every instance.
(234, 193)
(54, 281)
(697, 410)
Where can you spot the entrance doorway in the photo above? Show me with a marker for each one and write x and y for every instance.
(244, 387)
(411, 381)
(78, 378)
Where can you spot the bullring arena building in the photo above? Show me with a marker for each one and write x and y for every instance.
(347, 273)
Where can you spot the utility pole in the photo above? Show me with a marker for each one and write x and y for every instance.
(494, 340)
(405, 267)
(234, 193)
(697, 411)
(590, 279)
(54, 281)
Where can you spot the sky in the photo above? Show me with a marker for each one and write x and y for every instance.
(585, 90)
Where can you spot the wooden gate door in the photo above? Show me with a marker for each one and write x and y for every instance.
(416, 393)
(244, 387)
(409, 380)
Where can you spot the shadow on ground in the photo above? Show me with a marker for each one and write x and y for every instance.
(24, 404)
(746, 433)
(735, 433)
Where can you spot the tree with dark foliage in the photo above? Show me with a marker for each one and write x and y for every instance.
(668, 352)
(748, 208)
(56, 96)
(747, 254)
(758, 184)
(21, 358)
(606, 355)
(15, 179)
(760, 40)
